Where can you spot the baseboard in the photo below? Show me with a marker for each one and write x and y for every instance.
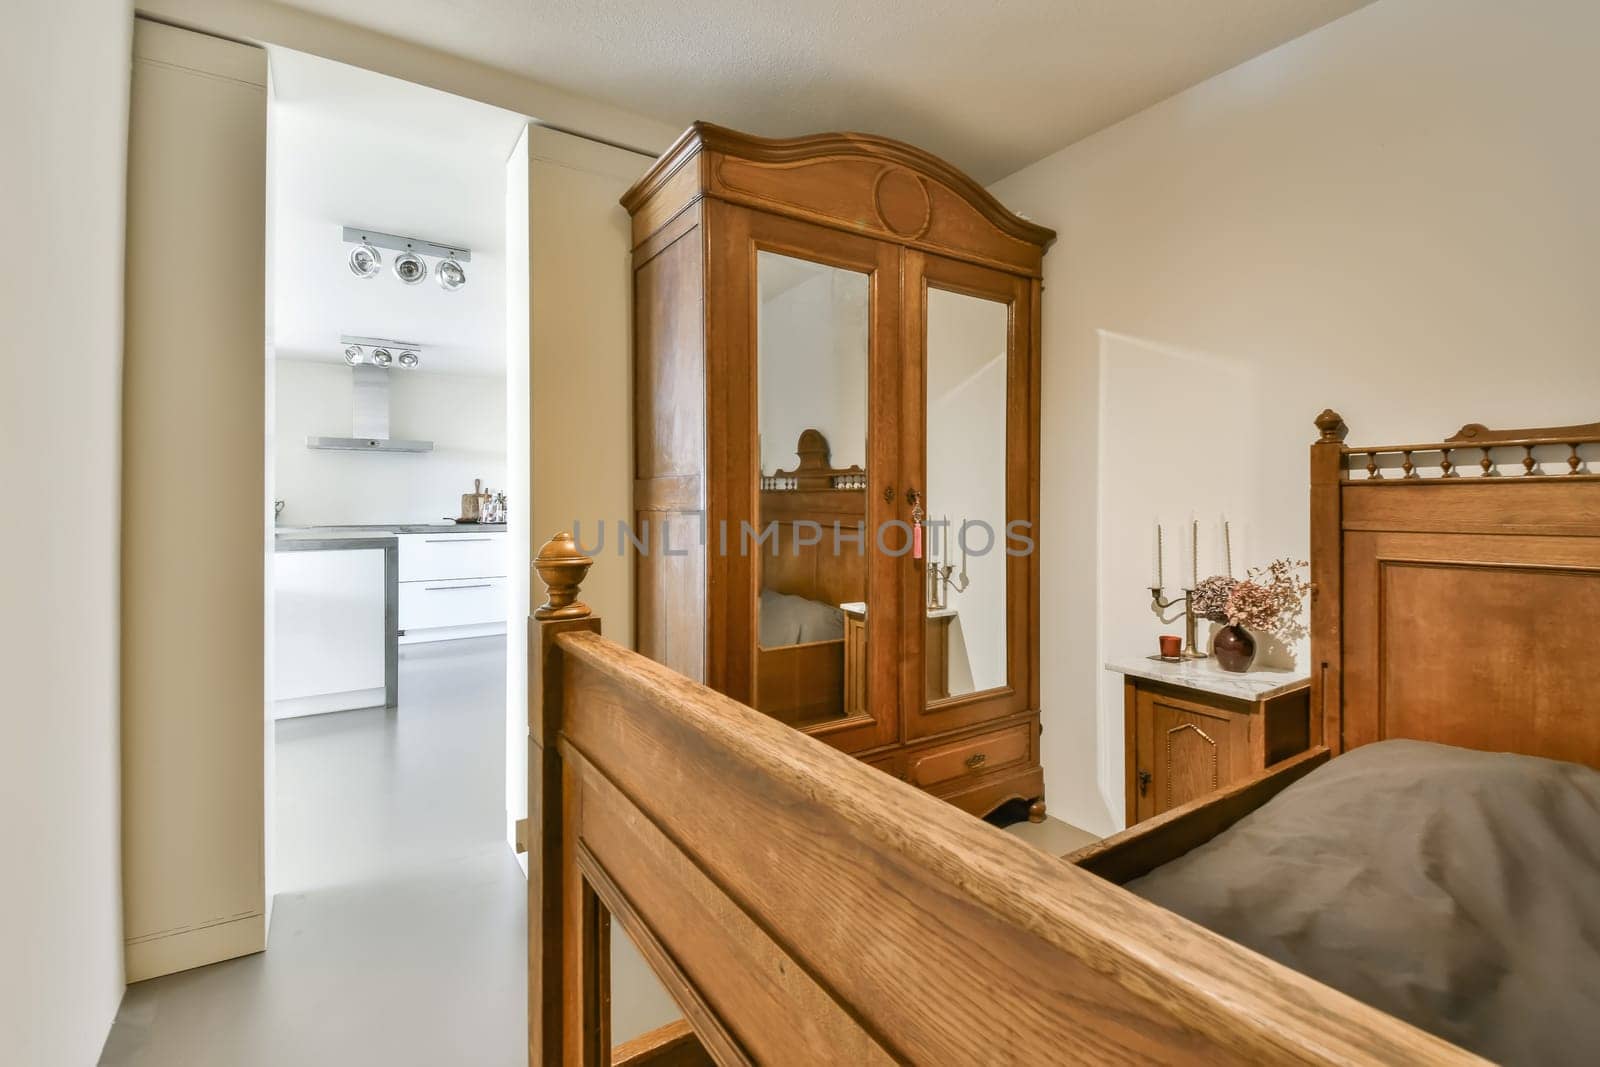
(322, 703)
(181, 950)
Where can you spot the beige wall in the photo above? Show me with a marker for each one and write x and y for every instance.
(64, 126)
(1395, 216)
(195, 512)
(569, 381)
(569, 378)
(271, 23)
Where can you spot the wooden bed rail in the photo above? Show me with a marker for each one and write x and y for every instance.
(1537, 454)
(801, 907)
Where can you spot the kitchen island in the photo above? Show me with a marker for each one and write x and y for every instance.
(345, 597)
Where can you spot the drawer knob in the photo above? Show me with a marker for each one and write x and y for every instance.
(976, 760)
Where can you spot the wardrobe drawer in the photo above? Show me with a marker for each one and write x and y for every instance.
(424, 557)
(452, 602)
(970, 757)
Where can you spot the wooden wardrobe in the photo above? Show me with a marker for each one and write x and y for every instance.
(836, 350)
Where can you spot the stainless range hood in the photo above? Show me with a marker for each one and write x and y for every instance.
(369, 418)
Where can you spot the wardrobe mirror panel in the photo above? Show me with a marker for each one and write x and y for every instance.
(812, 342)
(965, 586)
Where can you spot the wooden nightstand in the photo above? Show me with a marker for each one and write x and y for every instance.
(1192, 728)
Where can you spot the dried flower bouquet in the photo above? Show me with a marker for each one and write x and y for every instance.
(1266, 600)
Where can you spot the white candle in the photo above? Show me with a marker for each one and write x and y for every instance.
(1155, 565)
(1194, 551)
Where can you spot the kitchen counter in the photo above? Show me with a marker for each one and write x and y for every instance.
(378, 529)
(311, 540)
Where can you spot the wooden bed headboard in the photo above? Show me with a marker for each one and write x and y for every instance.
(1456, 590)
(815, 491)
(802, 907)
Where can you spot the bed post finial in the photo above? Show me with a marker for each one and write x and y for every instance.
(561, 566)
(1331, 423)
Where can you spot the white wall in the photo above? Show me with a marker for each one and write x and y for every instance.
(1394, 215)
(351, 148)
(463, 415)
(966, 462)
(811, 360)
(65, 82)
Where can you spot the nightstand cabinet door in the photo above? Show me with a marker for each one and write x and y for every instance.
(1184, 751)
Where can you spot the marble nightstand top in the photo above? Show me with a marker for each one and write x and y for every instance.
(1206, 676)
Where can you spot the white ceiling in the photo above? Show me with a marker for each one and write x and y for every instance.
(991, 85)
(349, 147)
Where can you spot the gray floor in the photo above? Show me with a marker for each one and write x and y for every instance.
(399, 926)
(1053, 836)
(398, 933)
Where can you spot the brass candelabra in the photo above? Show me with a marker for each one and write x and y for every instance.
(1191, 648)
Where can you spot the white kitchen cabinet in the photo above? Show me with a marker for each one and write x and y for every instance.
(328, 631)
(452, 602)
(429, 556)
(452, 585)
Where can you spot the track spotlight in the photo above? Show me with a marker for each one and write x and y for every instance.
(409, 265)
(410, 268)
(365, 262)
(384, 353)
(451, 275)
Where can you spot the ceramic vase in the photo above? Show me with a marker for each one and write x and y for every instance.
(1234, 648)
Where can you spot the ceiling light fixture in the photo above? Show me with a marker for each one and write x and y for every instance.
(451, 275)
(365, 262)
(382, 353)
(410, 268)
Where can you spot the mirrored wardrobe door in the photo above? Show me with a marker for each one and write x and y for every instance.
(970, 346)
(817, 600)
(966, 363)
(813, 340)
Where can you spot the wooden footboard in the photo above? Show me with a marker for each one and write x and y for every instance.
(801, 684)
(801, 907)
(1142, 848)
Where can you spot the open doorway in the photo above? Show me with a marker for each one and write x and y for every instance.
(397, 905)
(387, 454)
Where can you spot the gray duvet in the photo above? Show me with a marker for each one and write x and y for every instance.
(1458, 890)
